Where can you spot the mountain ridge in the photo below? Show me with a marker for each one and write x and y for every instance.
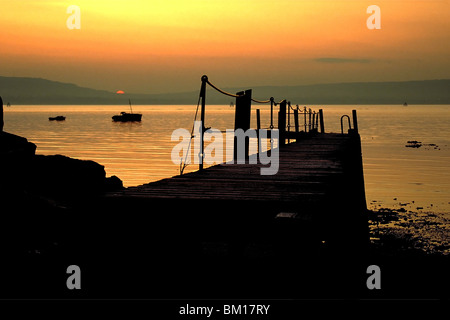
(38, 91)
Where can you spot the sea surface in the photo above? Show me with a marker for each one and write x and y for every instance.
(395, 175)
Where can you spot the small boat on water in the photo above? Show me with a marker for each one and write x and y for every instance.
(128, 117)
(405, 104)
(125, 117)
(57, 118)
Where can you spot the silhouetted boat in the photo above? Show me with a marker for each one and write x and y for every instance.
(57, 118)
(8, 105)
(405, 104)
(127, 117)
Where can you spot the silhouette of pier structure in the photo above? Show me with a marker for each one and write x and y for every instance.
(317, 196)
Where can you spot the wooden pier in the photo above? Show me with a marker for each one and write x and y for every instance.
(319, 188)
(317, 195)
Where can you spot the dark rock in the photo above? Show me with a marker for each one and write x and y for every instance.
(113, 184)
(15, 146)
(65, 177)
(15, 155)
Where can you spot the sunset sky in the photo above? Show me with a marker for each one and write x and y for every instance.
(162, 46)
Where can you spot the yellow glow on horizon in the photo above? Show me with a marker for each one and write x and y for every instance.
(130, 35)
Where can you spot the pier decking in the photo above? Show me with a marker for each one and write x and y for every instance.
(319, 182)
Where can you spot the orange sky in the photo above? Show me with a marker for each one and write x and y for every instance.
(166, 45)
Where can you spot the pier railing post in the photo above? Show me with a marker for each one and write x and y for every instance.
(258, 127)
(322, 128)
(282, 122)
(296, 120)
(242, 118)
(1, 115)
(201, 154)
(355, 121)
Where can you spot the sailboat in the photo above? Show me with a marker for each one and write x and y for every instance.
(128, 117)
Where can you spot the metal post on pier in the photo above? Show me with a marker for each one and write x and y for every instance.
(201, 154)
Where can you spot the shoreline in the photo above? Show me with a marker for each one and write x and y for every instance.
(415, 231)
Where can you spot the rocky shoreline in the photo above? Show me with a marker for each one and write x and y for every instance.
(39, 194)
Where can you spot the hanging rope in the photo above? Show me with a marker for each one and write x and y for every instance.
(235, 95)
(223, 92)
(259, 101)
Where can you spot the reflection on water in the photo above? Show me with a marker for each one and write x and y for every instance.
(141, 152)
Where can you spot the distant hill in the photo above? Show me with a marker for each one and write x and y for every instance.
(41, 91)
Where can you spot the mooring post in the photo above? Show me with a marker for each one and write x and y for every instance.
(242, 118)
(258, 127)
(296, 120)
(322, 128)
(355, 121)
(304, 118)
(201, 154)
(282, 122)
(272, 102)
(309, 120)
(313, 120)
(1, 115)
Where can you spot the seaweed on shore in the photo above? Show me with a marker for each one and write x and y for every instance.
(401, 230)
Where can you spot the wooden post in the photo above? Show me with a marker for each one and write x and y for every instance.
(304, 117)
(1, 115)
(296, 120)
(272, 102)
(309, 116)
(322, 128)
(355, 121)
(313, 120)
(317, 122)
(258, 127)
(242, 117)
(282, 122)
(288, 120)
(201, 154)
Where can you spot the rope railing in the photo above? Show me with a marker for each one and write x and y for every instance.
(205, 78)
(222, 91)
(311, 119)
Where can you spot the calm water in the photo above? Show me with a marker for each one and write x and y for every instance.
(141, 152)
